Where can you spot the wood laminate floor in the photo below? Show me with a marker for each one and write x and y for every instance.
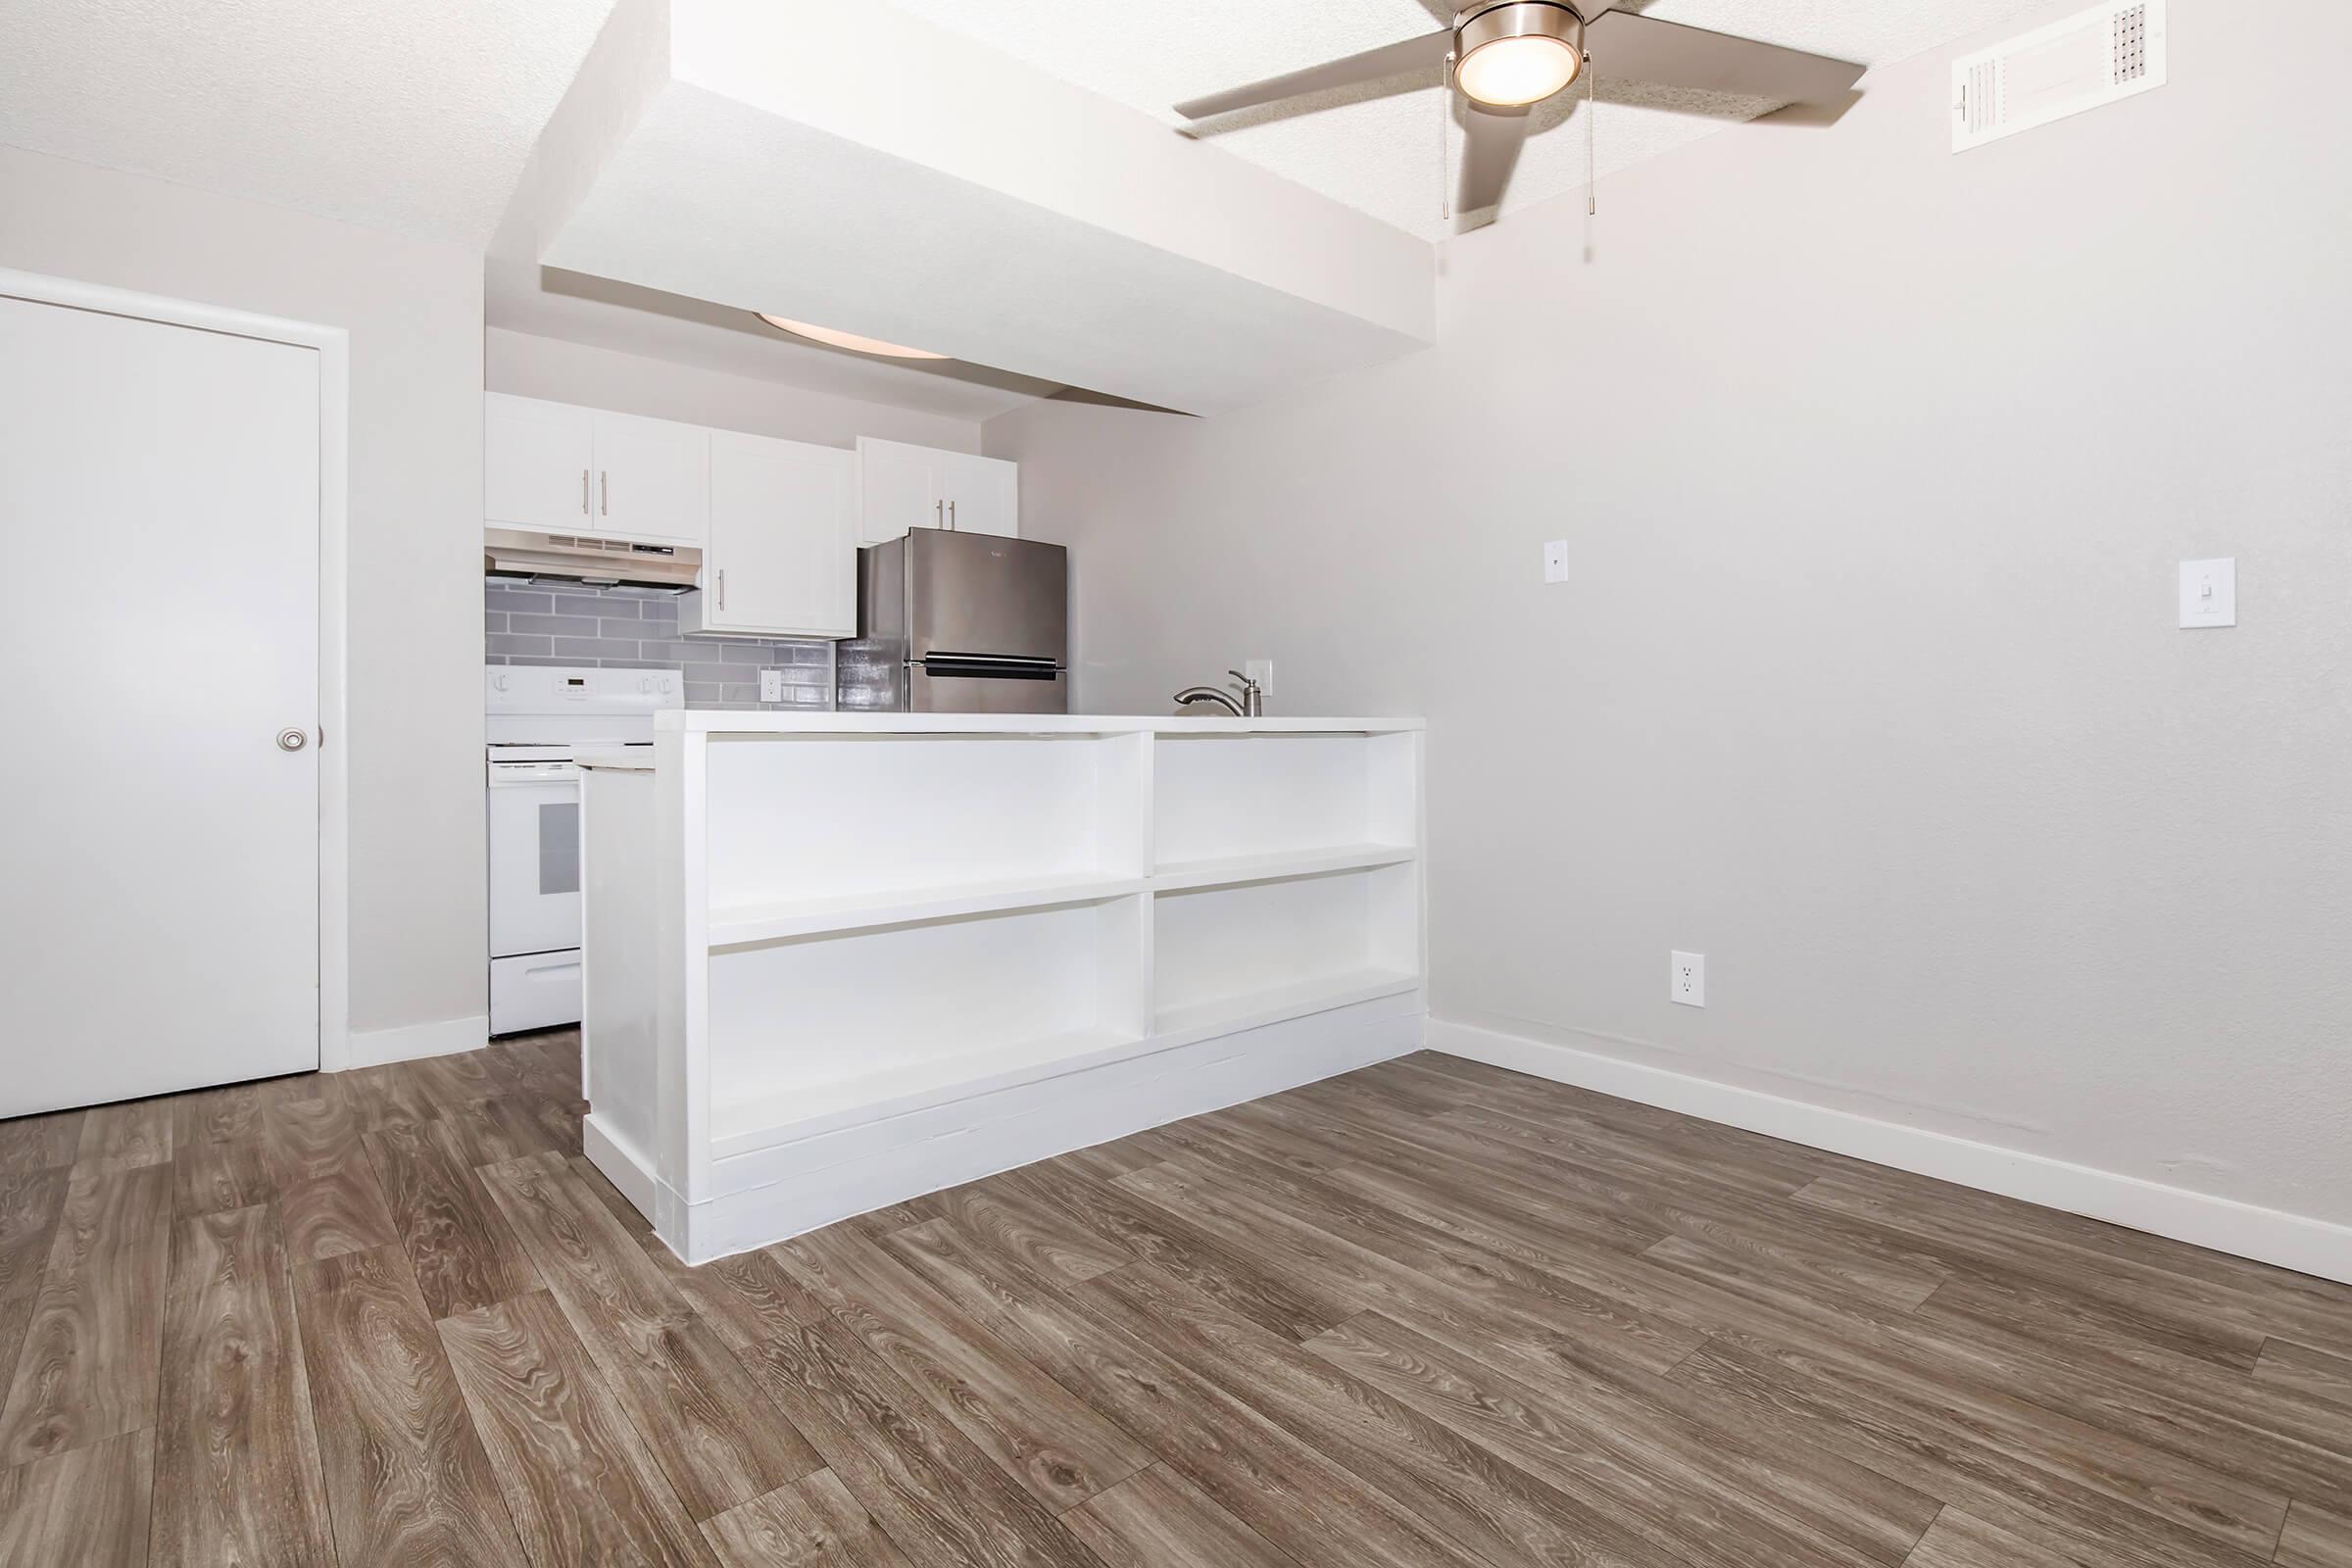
(1431, 1313)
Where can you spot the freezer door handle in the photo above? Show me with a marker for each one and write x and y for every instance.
(987, 666)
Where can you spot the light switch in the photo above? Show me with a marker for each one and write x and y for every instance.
(1555, 561)
(2209, 592)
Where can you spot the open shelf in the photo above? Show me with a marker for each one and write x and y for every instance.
(1233, 869)
(831, 1027)
(743, 1124)
(810, 835)
(1222, 803)
(1249, 1009)
(746, 924)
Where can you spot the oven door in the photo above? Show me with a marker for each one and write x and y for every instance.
(534, 857)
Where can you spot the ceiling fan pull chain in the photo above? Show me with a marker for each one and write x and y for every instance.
(1446, 143)
(1591, 137)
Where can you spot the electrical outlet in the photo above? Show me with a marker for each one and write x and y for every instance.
(1555, 561)
(1260, 670)
(1687, 980)
(772, 685)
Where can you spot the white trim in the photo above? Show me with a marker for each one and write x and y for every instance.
(777, 1193)
(333, 345)
(623, 1165)
(2267, 1235)
(376, 1046)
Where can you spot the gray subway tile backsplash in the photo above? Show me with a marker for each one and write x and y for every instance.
(623, 628)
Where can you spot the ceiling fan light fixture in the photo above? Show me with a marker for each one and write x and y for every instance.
(834, 337)
(1518, 52)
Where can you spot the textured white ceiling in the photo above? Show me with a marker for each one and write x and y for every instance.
(413, 114)
(1380, 153)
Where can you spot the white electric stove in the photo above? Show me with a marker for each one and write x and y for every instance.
(533, 719)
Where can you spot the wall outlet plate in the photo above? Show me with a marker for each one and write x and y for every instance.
(1555, 561)
(1686, 979)
(772, 685)
(1260, 670)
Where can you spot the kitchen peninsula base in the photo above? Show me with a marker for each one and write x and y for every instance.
(834, 961)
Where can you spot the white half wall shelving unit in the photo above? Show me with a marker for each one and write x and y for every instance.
(838, 960)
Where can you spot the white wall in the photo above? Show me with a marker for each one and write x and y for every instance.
(572, 373)
(413, 311)
(1874, 464)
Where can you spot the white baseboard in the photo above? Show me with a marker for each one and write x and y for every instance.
(623, 1166)
(780, 1193)
(2225, 1225)
(409, 1042)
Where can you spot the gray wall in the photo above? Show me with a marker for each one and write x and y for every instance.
(1875, 465)
(414, 310)
(625, 628)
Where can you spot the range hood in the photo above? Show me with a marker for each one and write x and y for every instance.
(582, 558)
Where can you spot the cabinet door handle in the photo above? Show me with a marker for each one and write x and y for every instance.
(951, 516)
(939, 513)
(583, 492)
(722, 587)
(604, 493)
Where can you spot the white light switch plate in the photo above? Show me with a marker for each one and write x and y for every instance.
(1555, 561)
(1686, 979)
(772, 685)
(2209, 592)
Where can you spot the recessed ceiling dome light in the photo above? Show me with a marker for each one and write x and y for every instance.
(836, 338)
(1518, 52)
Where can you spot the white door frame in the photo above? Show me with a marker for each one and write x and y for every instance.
(333, 345)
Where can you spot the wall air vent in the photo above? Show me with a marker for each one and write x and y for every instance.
(2057, 71)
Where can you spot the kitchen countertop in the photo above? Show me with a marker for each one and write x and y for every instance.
(729, 723)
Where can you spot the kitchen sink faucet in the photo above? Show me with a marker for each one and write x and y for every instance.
(1252, 705)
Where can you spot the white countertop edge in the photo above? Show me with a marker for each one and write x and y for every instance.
(709, 722)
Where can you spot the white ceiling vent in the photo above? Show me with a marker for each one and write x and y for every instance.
(2060, 70)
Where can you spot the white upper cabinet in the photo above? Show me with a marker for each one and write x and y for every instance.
(901, 486)
(782, 555)
(898, 489)
(651, 478)
(538, 465)
(554, 468)
(984, 494)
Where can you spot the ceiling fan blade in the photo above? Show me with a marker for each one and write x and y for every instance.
(1388, 59)
(1491, 144)
(1627, 47)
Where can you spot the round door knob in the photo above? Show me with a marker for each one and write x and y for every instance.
(293, 740)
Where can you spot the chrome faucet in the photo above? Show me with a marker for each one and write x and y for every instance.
(1252, 705)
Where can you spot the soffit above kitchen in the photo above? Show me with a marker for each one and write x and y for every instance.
(1377, 148)
(864, 169)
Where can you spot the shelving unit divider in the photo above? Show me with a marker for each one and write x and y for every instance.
(1296, 951)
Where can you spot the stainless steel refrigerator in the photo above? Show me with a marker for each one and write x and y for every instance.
(954, 623)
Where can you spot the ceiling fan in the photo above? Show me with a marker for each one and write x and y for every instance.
(1504, 55)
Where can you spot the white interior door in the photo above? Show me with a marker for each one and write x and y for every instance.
(159, 849)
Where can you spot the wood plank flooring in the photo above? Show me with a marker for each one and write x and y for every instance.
(1431, 1313)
